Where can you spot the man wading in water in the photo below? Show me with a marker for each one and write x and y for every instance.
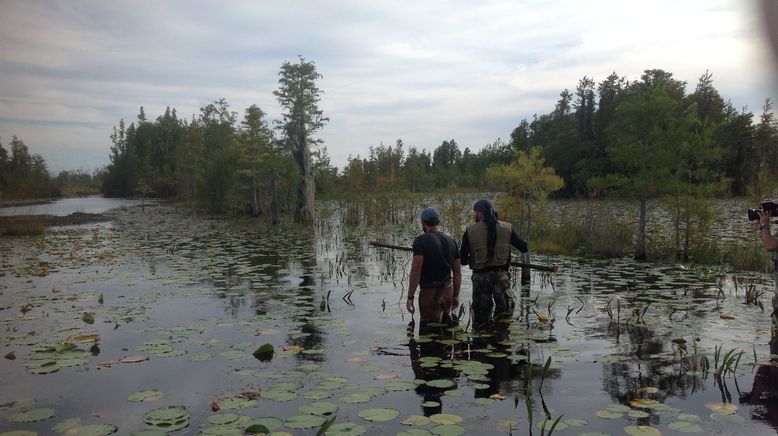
(436, 268)
(486, 247)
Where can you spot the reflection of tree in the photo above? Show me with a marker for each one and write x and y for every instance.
(307, 313)
(647, 362)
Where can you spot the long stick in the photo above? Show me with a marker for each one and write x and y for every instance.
(518, 264)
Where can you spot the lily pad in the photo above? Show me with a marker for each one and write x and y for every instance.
(379, 414)
(304, 421)
(607, 414)
(93, 430)
(419, 421)
(236, 402)
(445, 419)
(271, 423)
(440, 383)
(66, 425)
(346, 429)
(415, 432)
(168, 419)
(685, 427)
(145, 395)
(507, 425)
(32, 415)
(448, 430)
(642, 430)
(321, 408)
(356, 398)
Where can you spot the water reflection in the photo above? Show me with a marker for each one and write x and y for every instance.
(764, 392)
(426, 354)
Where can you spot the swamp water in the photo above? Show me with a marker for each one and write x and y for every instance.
(148, 325)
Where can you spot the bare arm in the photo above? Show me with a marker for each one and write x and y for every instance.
(764, 232)
(413, 280)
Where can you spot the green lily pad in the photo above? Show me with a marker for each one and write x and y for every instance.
(440, 383)
(317, 395)
(574, 422)
(356, 398)
(641, 430)
(19, 433)
(269, 422)
(321, 408)
(607, 414)
(445, 419)
(145, 395)
(732, 419)
(638, 414)
(346, 429)
(688, 417)
(507, 425)
(547, 423)
(236, 402)
(223, 419)
(32, 416)
(484, 401)
(168, 419)
(399, 386)
(415, 432)
(448, 430)
(304, 421)
(379, 414)
(430, 404)
(66, 425)
(278, 395)
(221, 430)
(419, 421)
(685, 427)
(94, 430)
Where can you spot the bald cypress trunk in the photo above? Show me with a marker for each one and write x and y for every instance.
(304, 209)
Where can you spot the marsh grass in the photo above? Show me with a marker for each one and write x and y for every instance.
(13, 227)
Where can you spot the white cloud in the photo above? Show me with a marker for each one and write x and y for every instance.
(420, 71)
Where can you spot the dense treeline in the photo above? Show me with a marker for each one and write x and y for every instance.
(24, 175)
(642, 139)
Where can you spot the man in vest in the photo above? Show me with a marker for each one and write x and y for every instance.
(486, 247)
(770, 244)
(436, 269)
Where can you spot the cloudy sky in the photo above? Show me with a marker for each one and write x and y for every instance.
(422, 71)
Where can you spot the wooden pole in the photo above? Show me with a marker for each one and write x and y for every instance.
(517, 264)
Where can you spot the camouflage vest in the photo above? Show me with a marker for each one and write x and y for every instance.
(476, 236)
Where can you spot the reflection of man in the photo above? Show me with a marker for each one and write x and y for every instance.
(764, 393)
(771, 245)
(424, 358)
(486, 247)
(436, 269)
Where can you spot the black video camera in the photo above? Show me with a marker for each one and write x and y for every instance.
(766, 206)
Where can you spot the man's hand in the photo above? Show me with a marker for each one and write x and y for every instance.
(764, 218)
(409, 305)
(455, 301)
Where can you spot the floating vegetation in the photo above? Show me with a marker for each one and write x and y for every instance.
(184, 302)
(167, 419)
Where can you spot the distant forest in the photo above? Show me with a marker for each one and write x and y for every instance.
(644, 138)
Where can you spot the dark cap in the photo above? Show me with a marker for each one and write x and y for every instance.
(430, 215)
(483, 205)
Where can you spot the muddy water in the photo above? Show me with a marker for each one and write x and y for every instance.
(627, 342)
